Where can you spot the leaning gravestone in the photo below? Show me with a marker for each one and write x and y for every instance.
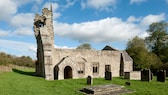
(89, 80)
(146, 75)
(108, 75)
(161, 75)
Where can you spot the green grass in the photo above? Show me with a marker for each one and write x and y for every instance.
(22, 82)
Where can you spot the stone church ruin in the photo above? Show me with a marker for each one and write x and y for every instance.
(53, 63)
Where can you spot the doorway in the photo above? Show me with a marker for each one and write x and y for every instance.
(56, 70)
(67, 72)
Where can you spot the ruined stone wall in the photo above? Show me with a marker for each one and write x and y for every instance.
(102, 58)
(128, 62)
(128, 66)
(44, 33)
(52, 62)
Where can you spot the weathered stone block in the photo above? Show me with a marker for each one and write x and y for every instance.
(134, 75)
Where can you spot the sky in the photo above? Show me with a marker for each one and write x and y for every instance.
(97, 22)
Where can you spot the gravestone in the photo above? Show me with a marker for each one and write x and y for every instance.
(127, 75)
(108, 75)
(89, 80)
(166, 73)
(161, 75)
(151, 75)
(146, 75)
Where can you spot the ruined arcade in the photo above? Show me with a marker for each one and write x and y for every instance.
(53, 63)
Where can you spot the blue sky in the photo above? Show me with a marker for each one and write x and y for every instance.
(98, 22)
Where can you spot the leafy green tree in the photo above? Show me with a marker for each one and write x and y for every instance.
(158, 40)
(140, 55)
(84, 46)
(5, 58)
(24, 61)
(136, 42)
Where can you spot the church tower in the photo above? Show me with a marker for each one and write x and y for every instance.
(44, 33)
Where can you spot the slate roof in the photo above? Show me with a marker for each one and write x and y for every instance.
(109, 48)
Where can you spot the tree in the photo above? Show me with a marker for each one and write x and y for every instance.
(158, 40)
(136, 42)
(140, 55)
(24, 61)
(6, 59)
(84, 46)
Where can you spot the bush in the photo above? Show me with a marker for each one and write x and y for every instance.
(21, 61)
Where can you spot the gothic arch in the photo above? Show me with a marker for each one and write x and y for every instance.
(68, 72)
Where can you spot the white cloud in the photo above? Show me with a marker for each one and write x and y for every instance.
(153, 18)
(55, 6)
(22, 20)
(132, 19)
(107, 30)
(64, 47)
(22, 26)
(137, 1)
(8, 8)
(28, 31)
(69, 3)
(106, 5)
(39, 1)
(4, 33)
(18, 48)
(22, 48)
(144, 35)
(22, 2)
(166, 1)
(35, 8)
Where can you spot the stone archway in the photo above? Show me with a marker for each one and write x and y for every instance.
(67, 72)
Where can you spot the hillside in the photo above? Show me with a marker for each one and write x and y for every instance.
(9, 67)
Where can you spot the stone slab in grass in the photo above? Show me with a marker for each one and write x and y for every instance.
(110, 89)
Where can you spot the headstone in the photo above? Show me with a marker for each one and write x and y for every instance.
(161, 75)
(151, 75)
(89, 80)
(146, 75)
(127, 75)
(166, 73)
(108, 75)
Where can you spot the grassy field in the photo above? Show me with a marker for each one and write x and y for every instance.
(22, 82)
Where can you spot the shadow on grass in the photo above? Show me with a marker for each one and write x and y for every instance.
(24, 72)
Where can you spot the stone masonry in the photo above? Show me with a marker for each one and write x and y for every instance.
(53, 63)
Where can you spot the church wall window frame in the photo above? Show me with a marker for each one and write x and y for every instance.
(95, 68)
(81, 68)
